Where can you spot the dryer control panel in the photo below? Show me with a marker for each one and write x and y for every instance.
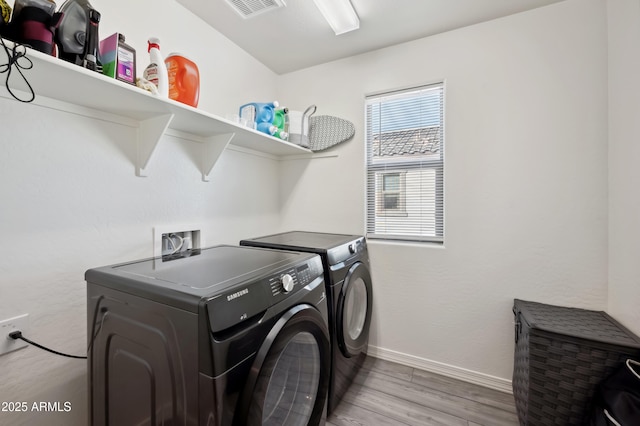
(343, 252)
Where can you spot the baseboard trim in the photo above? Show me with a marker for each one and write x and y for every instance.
(492, 382)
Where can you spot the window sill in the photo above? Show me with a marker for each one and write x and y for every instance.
(405, 243)
(392, 214)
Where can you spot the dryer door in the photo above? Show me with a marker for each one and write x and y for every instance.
(290, 376)
(353, 314)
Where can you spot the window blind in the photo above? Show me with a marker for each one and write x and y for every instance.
(405, 164)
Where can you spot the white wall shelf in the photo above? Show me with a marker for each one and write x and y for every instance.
(71, 86)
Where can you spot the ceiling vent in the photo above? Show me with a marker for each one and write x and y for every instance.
(250, 8)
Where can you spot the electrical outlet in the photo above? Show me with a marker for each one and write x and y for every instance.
(7, 344)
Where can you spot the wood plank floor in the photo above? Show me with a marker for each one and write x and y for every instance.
(385, 393)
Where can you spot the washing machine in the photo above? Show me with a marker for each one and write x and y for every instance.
(350, 294)
(228, 336)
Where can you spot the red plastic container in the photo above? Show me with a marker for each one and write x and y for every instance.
(184, 79)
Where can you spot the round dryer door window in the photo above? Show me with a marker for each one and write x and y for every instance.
(290, 376)
(354, 311)
(355, 308)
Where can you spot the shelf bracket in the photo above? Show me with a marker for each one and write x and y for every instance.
(149, 133)
(213, 147)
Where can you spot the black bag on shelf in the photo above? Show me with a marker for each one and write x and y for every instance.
(617, 398)
(33, 27)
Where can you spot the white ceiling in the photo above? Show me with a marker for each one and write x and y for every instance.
(297, 36)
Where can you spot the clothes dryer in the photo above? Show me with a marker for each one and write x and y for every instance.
(229, 336)
(350, 294)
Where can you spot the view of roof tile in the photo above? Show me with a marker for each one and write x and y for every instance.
(425, 140)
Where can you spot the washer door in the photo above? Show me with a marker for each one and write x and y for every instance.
(353, 314)
(290, 376)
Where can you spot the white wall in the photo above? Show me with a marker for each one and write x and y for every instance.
(70, 200)
(525, 180)
(624, 156)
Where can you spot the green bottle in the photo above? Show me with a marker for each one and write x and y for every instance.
(280, 121)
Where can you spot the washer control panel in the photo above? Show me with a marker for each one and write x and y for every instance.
(242, 302)
(287, 283)
(294, 278)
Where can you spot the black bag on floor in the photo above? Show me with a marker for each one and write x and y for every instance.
(617, 398)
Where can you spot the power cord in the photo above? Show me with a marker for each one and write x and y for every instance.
(14, 56)
(15, 335)
(173, 244)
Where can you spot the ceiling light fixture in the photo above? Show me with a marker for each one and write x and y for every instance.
(339, 14)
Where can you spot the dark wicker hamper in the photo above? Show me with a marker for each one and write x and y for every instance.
(561, 354)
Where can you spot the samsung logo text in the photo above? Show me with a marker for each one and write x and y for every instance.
(237, 294)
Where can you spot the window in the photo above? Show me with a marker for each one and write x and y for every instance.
(405, 164)
(391, 195)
